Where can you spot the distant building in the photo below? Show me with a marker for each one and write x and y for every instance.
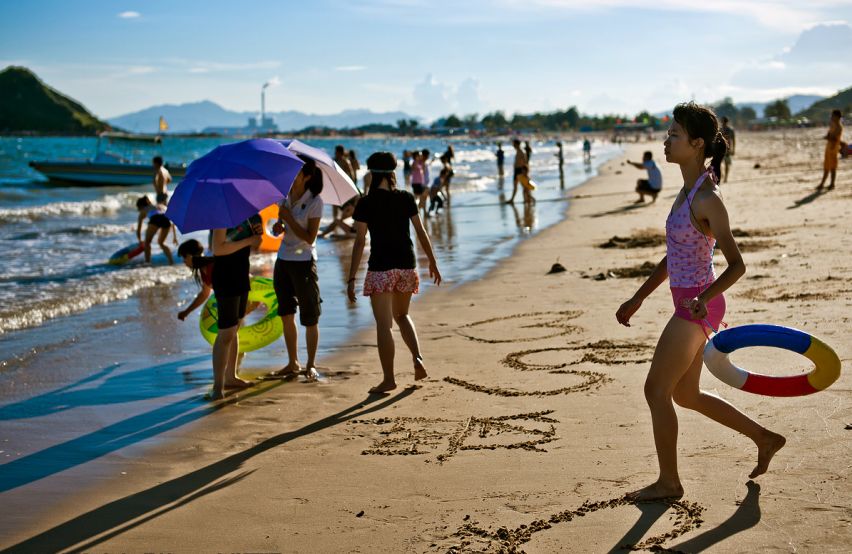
(266, 127)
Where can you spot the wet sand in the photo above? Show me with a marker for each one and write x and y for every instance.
(532, 425)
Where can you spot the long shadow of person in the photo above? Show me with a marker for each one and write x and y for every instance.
(806, 200)
(86, 531)
(745, 517)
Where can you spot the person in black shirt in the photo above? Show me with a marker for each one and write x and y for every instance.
(231, 286)
(386, 213)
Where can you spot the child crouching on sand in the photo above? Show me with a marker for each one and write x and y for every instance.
(698, 221)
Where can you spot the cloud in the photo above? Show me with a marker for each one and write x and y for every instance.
(432, 98)
(273, 82)
(350, 68)
(818, 62)
(129, 15)
(198, 66)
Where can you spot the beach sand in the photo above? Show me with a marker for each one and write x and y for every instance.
(533, 423)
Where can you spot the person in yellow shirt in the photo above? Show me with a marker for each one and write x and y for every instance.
(832, 148)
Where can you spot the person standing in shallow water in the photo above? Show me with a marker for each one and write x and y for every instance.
(386, 213)
(697, 222)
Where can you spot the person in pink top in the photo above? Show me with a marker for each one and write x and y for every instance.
(697, 223)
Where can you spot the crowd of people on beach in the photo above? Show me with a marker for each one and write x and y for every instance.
(696, 226)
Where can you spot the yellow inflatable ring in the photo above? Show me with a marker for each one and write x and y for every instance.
(254, 336)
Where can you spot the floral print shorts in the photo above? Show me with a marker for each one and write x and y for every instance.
(393, 280)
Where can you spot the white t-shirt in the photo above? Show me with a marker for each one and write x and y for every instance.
(293, 248)
(655, 178)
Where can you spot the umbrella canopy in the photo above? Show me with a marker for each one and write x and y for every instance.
(231, 183)
(337, 186)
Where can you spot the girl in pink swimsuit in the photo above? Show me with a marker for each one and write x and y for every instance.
(696, 224)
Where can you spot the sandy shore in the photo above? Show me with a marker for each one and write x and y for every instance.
(533, 423)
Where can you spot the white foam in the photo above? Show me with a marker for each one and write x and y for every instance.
(106, 205)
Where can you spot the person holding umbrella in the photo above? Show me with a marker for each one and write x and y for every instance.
(391, 270)
(221, 190)
(295, 276)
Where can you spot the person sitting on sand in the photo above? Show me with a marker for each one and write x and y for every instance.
(833, 141)
(162, 178)
(231, 284)
(193, 257)
(295, 275)
(157, 223)
(654, 183)
(698, 221)
(347, 210)
(386, 213)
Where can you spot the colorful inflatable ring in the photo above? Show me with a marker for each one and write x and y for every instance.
(126, 254)
(825, 372)
(260, 334)
(269, 242)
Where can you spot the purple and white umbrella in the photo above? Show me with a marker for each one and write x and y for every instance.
(231, 183)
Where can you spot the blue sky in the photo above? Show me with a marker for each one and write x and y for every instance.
(429, 58)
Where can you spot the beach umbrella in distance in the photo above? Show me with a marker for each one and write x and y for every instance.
(231, 183)
(337, 187)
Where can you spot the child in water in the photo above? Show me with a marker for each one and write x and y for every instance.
(157, 223)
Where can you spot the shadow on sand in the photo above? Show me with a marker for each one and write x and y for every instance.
(746, 516)
(86, 531)
(143, 384)
(806, 200)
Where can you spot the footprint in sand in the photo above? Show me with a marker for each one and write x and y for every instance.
(473, 538)
(524, 327)
(413, 436)
(601, 352)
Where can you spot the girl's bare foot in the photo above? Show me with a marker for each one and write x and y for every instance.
(238, 384)
(656, 491)
(384, 386)
(312, 375)
(766, 449)
(419, 369)
(215, 395)
(287, 370)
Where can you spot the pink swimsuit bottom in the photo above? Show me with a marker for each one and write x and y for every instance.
(715, 308)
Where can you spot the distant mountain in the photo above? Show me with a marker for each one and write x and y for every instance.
(27, 105)
(797, 103)
(196, 116)
(820, 111)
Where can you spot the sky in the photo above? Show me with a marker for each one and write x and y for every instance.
(429, 58)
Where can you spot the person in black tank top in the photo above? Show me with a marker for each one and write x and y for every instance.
(231, 286)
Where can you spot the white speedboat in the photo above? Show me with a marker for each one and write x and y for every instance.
(106, 168)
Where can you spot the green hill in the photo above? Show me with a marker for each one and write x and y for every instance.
(27, 105)
(820, 111)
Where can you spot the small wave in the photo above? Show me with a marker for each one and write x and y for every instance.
(80, 295)
(106, 205)
(99, 230)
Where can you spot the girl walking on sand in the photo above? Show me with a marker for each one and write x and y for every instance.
(697, 222)
(391, 270)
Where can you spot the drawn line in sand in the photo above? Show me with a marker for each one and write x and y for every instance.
(413, 436)
(687, 516)
(552, 323)
(601, 352)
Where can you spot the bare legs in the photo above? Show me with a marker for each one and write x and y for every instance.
(150, 231)
(387, 308)
(291, 340)
(674, 375)
(225, 353)
(825, 174)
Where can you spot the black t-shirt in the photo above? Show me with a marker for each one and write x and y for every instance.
(231, 273)
(387, 215)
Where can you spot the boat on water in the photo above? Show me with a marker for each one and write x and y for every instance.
(107, 167)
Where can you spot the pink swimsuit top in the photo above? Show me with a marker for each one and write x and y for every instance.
(689, 253)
